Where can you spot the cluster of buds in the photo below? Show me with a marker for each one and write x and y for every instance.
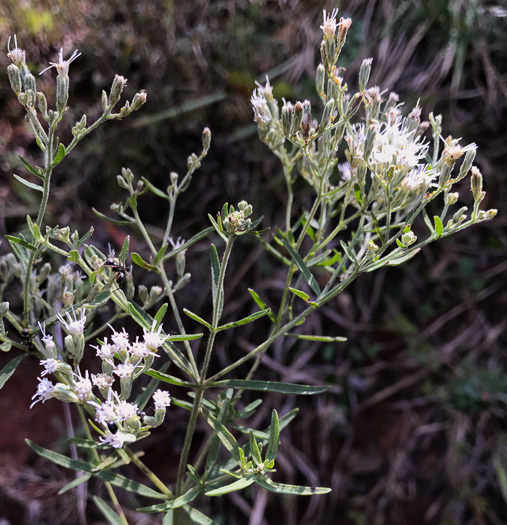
(333, 40)
(121, 420)
(237, 221)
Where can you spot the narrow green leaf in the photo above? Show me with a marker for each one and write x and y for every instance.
(214, 448)
(155, 190)
(59, 155)
(24, 243)
(300, 293)
(184, 337)
(227, 439)
(270, 386)
(217, 228)
(261, 304)
(111, 220)
(427, 221)
(249, 410)
(115, 479)
(9, 369)
(133, 202)
(307, 275)
(274, 437)
(256, 223)
(34, 171)
(139, 261)
(254, 449)
(215, 271)
(79, 480)
(198, 517)
(245, 320)
(239, 484)
(106, 510)
(400, 244)
(86, 236)
(124, 250)
(28, 184)
(184, 499)
(85, 443)
(320, 338)
(403, 258)
(160, 315)
(195, 317)
(166, 378)
(293, 490)
(139, 316)
(349, 253)
(196, 238)
(160, 254)
(100, 299)
(439, 227)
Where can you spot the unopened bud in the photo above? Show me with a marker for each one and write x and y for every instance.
(476, 185)
(306, 123)
(459, 216)
(320, 80)
(354, 105)
(119, 84)
(127, 174)
(451, 198)
(206, 139)
(43, 105)
(14, 78)
(287, 114)
(343, 28)
(64, 393)
(467, 163)
(327, 115)
(298, 117)
(408, 238)
(62, 92)
(139, 99)
(364, 73)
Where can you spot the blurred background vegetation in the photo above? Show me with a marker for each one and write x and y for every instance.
(413, 430)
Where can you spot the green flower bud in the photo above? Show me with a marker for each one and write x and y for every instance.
(364, 73)
(320, 80)
(119, 84)
(14, 78)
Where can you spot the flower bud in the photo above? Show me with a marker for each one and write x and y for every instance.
(127, 174)
(364, 73)
(43, 105)
(75, 346)
(327, 115)
(451, 198)
(64, 393)
(182, 282)
(143, 293)
(343, 28)
(372, 249)
(126, 386)
(62, 92)
(206, 139)
(320, 80)
(467, 163)
(14, 78)
(298, 117)
(459, 216)
(133, 424)
(62, 234)
(287, 114)
(306, 122)
(408, 238)
(476, 185)
(119, 84)
(354, 105)
(139, 99)
(29, 82)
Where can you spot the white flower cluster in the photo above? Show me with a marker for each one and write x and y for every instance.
(121, 419)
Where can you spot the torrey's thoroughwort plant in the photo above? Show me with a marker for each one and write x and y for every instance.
(372, 171)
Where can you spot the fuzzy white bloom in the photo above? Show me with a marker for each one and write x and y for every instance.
(140, 349)
(125, 410)
(17, 55)
(104, 412)
(178, 243)
(45, 390)
(102, 381)
(47, 339)
(83, 385)
(106, 350)
(123, 369)
(62, 66)
(161, 398)
(120, 339)
(73, 326)
(116, 440)
(50, 366)
(329, 26)
(260, 107)
(153, 339)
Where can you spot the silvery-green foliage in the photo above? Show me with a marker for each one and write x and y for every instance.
(372, 169)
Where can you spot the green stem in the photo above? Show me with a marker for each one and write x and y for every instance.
(149, 474)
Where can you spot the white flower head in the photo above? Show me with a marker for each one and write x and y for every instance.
(329, 26)
(153, 339)
(123, 369)
(120, 339)
(62, 66)
(47, 339)
(73, 326)
(17, 55)
(104, 412)
(83, 385)
(50, 366)
(259, 101)
(125, 410)
(102, 381)
(45, 390)
(106, 350)
(140, 349)
(118, 439)
(161, 398)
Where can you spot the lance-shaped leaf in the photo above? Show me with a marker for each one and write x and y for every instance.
(197, 237)
(184, 337)
(239, 484)
(214, 441)
(215, 271)
(160, 254)
(59, 155)
(245, 320)
(439, 227)
(154, 189)
(160, 315)
(349, 253)
(124, 250)
(227, 439)
(139, 261)
(29, 184)
(403, 258)
(176, 503)
(115, 479)
(106, 510)
(274, 437)
(307, 275)
(254, 449)
(261, 304)
(320, 338)
(34, 171)
(198, 517)
(166, 378)
(270, 386)
(9, 369)
(300, 293)
(75, 483)
(217, 228)
(119, 222)
(22, 242)
(195, 317)
(293, 490)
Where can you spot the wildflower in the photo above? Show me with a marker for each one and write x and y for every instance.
(62, 66)
(178, 243)
(260, 107)
(106, 350)
(83, 385)
(120, 339)
(153, 339)
(45, 390)
(73, 326)
(17, 55)
(162, 399)
(104, 412)
(47, 339)
(118, 439)
(125, 410)
(102, 381)
(124, 369)
(50, 365)
(329, 26)
(140, 349)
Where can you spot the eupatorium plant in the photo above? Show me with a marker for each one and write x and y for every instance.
(372, 171)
